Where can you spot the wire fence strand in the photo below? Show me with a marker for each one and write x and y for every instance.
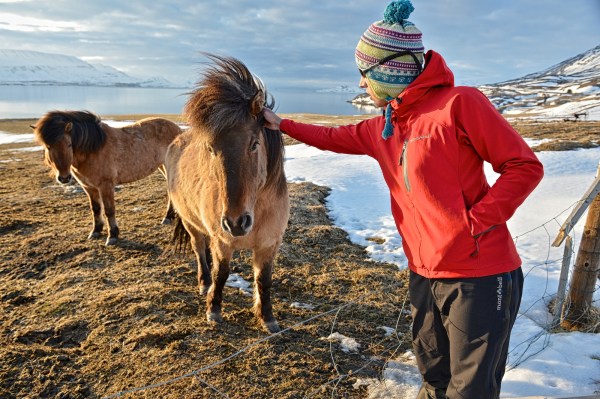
(519, 353)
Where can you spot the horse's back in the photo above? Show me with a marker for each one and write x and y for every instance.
(160, 129)
(137, 150)
(145, 136)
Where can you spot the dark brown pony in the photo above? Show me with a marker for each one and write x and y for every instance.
(77, 144)
(227, 183)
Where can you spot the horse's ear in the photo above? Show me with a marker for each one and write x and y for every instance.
(257, 103)
(32, 126)
(68, 127)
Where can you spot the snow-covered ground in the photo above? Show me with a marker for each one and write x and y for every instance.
(540, 363)
(553, 365)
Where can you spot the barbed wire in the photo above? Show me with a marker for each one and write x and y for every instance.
(395, 348)
(524, 350)
(546, 330)
(239, 352)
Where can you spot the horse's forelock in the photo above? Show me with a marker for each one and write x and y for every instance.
(86, 133)
(223, 97)
(50, 128)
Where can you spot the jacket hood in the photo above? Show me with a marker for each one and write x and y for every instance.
(435, 74)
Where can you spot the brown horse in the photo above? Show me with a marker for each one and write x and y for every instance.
(227, 183)
(77, 144)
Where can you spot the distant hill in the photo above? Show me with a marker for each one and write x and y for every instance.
(19, 67)
(568, 90)
(342, 89)
(559, 92)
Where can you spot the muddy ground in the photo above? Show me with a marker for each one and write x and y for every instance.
(81, 320)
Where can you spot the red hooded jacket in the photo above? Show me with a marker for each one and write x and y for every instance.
(452, 223)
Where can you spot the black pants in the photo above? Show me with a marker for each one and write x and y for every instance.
(461, 331)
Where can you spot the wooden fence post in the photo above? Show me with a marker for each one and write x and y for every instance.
(585, 272)
(587, 263)
(562, 282)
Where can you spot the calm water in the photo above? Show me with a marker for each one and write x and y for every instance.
(34, 101)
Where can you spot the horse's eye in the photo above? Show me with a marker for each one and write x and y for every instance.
(254, 146)
(210, 149)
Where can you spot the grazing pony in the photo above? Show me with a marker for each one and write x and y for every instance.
(227, 183)
(77, 144)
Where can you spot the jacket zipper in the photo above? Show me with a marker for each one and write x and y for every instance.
(404, 163)
(476, 238)
(484, 231)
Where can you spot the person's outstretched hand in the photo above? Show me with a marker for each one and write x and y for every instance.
(272, 121)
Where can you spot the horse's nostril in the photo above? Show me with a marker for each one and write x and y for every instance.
(226, 224)
(245, 222)
(240, 227)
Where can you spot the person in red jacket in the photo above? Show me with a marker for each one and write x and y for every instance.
(465, 275)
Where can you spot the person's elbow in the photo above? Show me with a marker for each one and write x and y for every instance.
(535, 172)
(539, 171)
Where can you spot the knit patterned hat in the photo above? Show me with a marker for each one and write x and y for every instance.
(391, 35)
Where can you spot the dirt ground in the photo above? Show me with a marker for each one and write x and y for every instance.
(81, 320)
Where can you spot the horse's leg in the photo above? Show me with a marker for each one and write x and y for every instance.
(96, 206)
(203, 259)
(170, 214)
(220, 273)
(263, 280)
(107, 193)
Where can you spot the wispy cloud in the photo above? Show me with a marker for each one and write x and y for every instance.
(299, 42)
(22, 23)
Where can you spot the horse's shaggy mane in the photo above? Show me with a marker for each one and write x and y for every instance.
(223, 100)
(86, 133)
(223, 97)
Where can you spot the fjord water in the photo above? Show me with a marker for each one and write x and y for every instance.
(34, 101)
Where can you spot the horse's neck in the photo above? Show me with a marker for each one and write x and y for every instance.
(78, 159)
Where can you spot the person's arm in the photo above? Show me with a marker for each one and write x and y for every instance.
(351, 139)
(494, 139)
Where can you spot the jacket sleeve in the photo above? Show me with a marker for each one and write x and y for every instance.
(358, 139)
(496, 142)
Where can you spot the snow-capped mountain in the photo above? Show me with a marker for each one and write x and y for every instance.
(568, 90)
(19, 67)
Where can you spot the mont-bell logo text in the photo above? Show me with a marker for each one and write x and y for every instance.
(421, 137)
(499, 294)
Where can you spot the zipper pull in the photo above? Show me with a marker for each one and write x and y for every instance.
(402, 153)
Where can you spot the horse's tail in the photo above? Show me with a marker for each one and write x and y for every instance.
(181, 237)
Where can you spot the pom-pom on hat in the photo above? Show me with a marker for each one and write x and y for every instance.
(383, 38)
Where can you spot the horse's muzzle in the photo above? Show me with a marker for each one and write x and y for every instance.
(240, 227)
(64, 180)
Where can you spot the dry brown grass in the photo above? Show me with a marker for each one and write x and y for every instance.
(80, 320)
(564, 136)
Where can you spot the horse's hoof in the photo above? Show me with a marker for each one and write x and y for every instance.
(94, 235)
(167, 221)
(111, 241)
(271, 326)
(214, 317)
(204, 289)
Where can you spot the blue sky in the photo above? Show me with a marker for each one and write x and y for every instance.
(299, 43)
